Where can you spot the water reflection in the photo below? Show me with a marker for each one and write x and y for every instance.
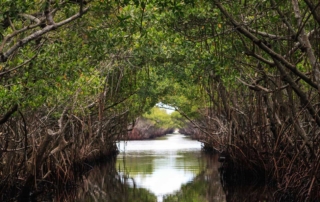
(164, 166)
(105, 184)
(170, 169)
(205, 187)
(246, 186)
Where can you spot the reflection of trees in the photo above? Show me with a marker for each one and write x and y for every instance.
(105, 184)
(204, 187)
(248, 193)
(133, 164)
(145, 164)
(246, 186)
(208, 187)
(189, 162)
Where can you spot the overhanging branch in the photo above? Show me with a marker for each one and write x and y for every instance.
(5, 55)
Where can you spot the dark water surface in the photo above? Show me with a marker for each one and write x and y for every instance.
(171, 168)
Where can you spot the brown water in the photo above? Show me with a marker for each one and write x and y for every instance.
(167, 169)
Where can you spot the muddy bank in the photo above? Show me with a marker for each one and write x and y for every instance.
(145, 129)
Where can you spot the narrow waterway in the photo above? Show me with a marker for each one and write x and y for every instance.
(168, 169)
(173, 168)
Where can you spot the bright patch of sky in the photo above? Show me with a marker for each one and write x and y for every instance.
(168, 108)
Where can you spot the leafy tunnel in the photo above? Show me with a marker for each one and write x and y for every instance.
(243, 77)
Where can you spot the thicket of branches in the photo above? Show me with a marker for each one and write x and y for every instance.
(266, 117)
(74, 74)
(67, 92)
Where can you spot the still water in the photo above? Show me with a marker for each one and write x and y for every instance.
(172, 168)
(168, 169)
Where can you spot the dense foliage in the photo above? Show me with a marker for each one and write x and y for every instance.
(163, 119)
(75, 75)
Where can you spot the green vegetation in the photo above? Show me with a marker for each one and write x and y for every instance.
(191, 192)
(76, 74)
(133, 165)
(161, 119)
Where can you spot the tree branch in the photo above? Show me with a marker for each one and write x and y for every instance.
(4, 56)
(268, 35)
(24, 63)
(264, 47)
(6, 117)
(313, 10)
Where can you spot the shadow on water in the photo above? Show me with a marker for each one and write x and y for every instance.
(245, 185)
